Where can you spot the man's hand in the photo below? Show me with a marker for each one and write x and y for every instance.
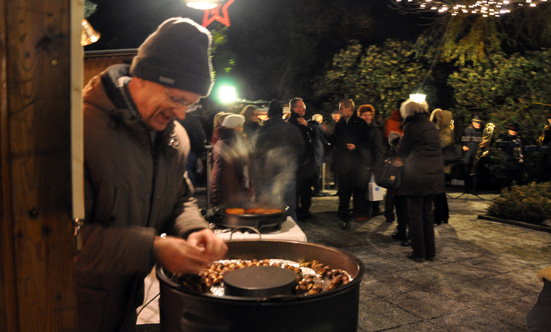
(465, 148)
(302, 121)
(214, 247)
(197, 253)
(350, 146)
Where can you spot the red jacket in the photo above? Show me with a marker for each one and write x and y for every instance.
(393, 123)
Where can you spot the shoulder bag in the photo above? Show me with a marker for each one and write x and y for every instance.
(389, 176)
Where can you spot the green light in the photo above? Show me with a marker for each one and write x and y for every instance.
(227, 94)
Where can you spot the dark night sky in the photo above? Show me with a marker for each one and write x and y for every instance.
(123, 27)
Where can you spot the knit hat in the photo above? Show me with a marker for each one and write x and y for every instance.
(233, 121)
(513, 126)
(177, 56)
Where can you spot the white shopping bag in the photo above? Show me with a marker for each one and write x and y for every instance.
(374, 192)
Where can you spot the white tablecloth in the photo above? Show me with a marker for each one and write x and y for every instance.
(150, 312)
(289, 231)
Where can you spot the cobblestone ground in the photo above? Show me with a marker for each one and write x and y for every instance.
(483, 278)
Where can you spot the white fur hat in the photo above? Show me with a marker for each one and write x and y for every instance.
(233, 121)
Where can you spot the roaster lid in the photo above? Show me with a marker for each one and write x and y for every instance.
(260, 281)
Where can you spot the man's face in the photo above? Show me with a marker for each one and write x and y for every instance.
(345, 111)
(159, 105)
(512, 132)
(367, 116)
(476, 125)
(300, 108)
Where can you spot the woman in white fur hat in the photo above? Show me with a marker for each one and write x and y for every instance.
(230, 181)
(422, 178)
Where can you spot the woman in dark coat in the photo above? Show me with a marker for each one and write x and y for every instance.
(230, 182)
(423, 176)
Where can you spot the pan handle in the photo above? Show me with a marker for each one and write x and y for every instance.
(246, 227)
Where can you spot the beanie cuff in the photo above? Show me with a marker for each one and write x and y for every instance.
(187, 82)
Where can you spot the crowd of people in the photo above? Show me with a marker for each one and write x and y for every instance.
(355, 142)
(141, 152)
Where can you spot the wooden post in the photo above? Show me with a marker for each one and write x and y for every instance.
(36, 250)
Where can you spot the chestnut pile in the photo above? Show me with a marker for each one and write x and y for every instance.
(313, 277)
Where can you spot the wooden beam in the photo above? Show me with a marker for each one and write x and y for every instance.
(37, 291)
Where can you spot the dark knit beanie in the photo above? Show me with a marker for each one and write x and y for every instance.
(176, 56)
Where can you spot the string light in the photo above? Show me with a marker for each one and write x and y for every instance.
(486, 8)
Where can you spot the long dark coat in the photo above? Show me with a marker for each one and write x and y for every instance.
(423, 172)
(230, 181)
(471, 138)
(355, 132)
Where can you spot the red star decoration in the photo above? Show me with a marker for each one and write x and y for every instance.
(212, 15)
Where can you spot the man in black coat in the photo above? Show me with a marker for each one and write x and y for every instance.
(470, 141)
(350, 141)
(277, 148)
(306, 173)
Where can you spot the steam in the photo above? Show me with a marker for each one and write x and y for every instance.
(275, 172)
(271, 172)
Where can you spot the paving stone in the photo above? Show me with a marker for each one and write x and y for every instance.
(483, 279)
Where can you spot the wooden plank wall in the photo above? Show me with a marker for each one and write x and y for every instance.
(96, 62)
(36, 250)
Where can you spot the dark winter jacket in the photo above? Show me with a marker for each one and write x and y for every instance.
(196, 133)
(250, 129)
(278, 148)
(133, 190)
(471, 139)
(230, 180)
(306, 167)
(419, 148)
(354, 132)
(319, 141)
(373, 155)
(510, 152)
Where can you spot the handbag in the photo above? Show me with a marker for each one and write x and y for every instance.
(389, 176)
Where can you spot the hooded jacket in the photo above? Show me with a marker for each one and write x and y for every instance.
(134, 190)
(442, 121)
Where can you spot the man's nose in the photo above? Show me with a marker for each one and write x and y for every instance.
(180, 112)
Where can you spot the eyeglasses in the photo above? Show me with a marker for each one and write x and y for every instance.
(181, 102)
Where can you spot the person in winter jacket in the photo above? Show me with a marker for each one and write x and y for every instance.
(422, 177)
(511, 153)
(350, 143)
(320, 144)
(443, 121)
(135, 184)
(197, 139)
(471, 140)
(393, 199)
(230, 180)
(251, 125)
(278, 147)
(372, 159)
(306, 172)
